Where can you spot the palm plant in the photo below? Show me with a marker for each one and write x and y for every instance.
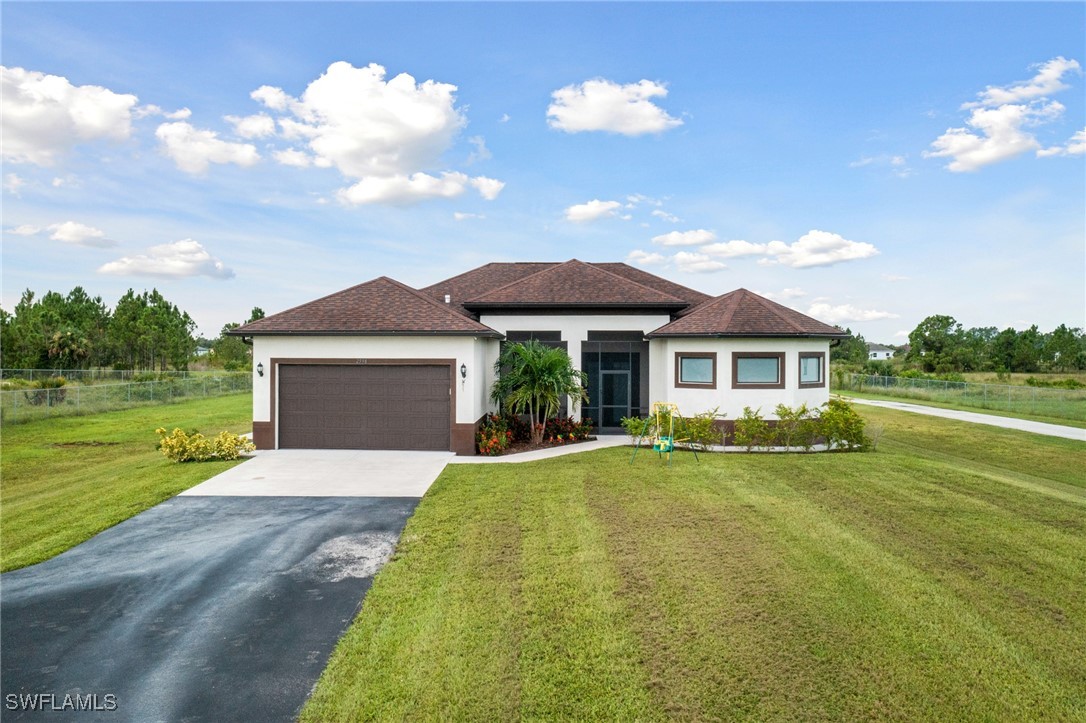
(533, 379)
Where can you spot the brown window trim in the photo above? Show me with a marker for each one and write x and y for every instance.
(821, 356)
(737, 355)
(679, 384)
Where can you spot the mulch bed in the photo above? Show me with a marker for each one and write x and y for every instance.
(518, 447)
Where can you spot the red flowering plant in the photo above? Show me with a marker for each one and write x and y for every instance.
(493, 436)
(561, 430)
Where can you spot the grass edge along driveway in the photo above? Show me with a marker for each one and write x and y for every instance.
(64, 480)
(939, 578)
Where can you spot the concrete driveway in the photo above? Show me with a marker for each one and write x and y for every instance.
(208, 606)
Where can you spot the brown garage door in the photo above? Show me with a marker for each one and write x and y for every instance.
(363, 406)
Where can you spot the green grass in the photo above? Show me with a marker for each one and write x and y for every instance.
(1058, 406)
(1064, 421)
(66, 479)
(938, 578)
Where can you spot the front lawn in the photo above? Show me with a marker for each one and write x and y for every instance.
(939, 578)
(64, 480)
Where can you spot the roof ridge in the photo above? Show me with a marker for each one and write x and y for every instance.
(307, 303)
(631, 281)
(491, 263)
(431, 300)
(598, 264)
(774, 308)
(561, 264)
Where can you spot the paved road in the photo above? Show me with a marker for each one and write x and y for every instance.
(1025, 425)
(202, 608)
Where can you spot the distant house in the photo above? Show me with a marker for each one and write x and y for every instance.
(879, 352)
(385, 366)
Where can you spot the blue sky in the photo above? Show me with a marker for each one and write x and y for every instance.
(869, 164)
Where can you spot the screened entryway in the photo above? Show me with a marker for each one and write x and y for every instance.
(617, 365)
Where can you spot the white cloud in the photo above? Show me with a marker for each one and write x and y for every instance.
(45, 115)
(696, 263)
(73, 232)
(386, 135)
(146, 111)
(1076, 146)
(504, 119)
(193, 149)
(404, 190)
(293, 157)
(792, 293)
(645, 258)
(602, 105)
(592, 211)
(892, 278)
(481, 152)
(460, 216)
(365, 126)
(488, 188)
(845, 313)
(1000, 135)
(901, 333)
(273, 98)
(13, 184)
(670, 218)
(259, 125)
(818, 248)
(176, 260)
(1049, 80)
(685, 238)
(999, 122)
(736, 248)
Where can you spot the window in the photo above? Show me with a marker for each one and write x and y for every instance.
(812, 369)
(695, 369)
(757, 370)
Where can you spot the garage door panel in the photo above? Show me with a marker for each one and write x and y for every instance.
(364, 406)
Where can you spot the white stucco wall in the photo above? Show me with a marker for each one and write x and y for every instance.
(731, 401)
(470, 392)
(574, 329)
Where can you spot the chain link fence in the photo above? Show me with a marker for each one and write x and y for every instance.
(25, 404)
(96, 376)
(1040, 401)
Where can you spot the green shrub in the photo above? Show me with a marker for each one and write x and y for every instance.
(751, 430)
(49, 390)
(700, 431)
(842, 427)
(1055, 384)
(195, 447)
(796, 427)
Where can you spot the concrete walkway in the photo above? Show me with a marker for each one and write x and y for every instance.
(1024, 425)
(602, 441)
(328, 473)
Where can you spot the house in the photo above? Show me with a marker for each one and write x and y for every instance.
(382, 365)
(880, 352)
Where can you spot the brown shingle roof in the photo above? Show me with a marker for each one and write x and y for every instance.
(380, 306)
(477, 282)
(574, 283)
(744, 313)
(691, 296)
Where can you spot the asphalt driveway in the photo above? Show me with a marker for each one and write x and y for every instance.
(202, 608)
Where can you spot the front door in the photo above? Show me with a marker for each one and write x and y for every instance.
(614, 397)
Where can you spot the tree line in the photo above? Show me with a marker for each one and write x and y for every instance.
(940, 344)
(143, 331)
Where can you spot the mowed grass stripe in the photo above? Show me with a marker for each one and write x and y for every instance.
(441, 630)
(916, 583)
